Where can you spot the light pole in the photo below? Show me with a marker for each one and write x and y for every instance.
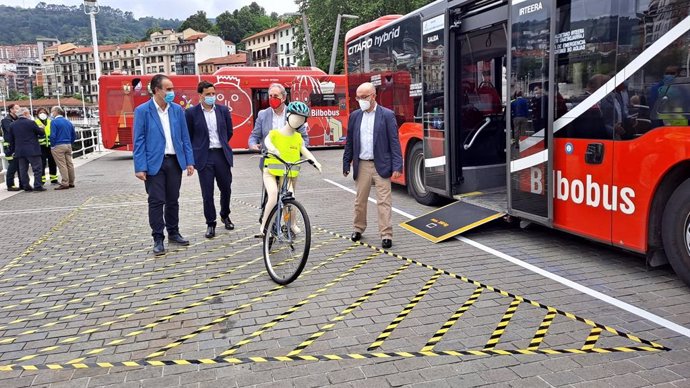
(4, 103)
(307, 37)
(83, 104)
(91, 9)
(334, 52)
(31, 91)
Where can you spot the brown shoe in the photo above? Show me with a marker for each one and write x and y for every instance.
(62, 187)
(71, 186)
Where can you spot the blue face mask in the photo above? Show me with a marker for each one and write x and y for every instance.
(210, 100)
(668, 78)
(169, 96)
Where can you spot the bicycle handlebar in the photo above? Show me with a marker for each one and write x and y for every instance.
(266, 153)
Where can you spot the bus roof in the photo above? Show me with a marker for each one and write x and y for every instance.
(385, 20)
(246, 70)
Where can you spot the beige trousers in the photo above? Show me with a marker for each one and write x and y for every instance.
(365, 177)
(272, 190)
(62, 153)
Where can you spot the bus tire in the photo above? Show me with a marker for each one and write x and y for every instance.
(415, 177)
(675, 231)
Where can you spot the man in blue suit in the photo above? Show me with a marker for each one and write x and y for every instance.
(373, 150)
(23, 138)
(161, 151)
(210, 130)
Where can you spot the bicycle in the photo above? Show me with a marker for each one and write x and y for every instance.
(287, 227)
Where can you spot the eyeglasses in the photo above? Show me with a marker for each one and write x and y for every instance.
(358, 98)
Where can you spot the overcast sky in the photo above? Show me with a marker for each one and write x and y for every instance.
(172, 9)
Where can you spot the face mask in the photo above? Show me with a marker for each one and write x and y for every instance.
(210, 100)
(295, 121)
(169, 96)
(274, 102)
(364, 105)
(668, 78)
(42, 116)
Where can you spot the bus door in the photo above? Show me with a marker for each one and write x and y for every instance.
(529, 138)
(478, 47)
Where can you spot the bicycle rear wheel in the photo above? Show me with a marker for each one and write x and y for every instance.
(287, 239)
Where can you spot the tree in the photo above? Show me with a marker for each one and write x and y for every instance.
(38, 92)
(323, 14)
(147, 34)
(244, 22)
(198, 22)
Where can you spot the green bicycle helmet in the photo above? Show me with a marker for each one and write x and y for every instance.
(299, 108)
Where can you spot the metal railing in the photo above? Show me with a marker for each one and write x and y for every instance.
(88, 141)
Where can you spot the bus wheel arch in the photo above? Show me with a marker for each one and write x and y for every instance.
(668, 184)
(675, 230)
(414, 174)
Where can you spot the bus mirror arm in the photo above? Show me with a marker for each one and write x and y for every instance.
(476, 133)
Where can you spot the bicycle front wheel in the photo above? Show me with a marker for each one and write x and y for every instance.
(287, 239)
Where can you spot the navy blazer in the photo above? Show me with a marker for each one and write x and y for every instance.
(387, 153)
(198, 133)
(23, 138)
(149, 140)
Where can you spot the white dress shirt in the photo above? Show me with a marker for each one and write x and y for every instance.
(212, 125)
(366, 135)
(278, 120)
(165, 122)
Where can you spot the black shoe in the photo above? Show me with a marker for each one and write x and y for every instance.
(39, 188)
(228, 224)
(28, 189)
(158, 247)
(356, 236)
(12, 188)
(210, 232)
(386, 243)
(178, 239)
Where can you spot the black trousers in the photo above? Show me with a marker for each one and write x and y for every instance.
(12, 170)
(47, 159)
(218, 169)
(164, 193)
(36, 167)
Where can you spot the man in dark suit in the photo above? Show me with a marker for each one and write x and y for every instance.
(210, 130)
(12, 169)
(23, 138)
(373, 150)
(161, 151)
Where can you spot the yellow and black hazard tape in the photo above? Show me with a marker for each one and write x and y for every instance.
(119, 318)
(299, 305)
(405, 312)
(592, 338)
(508, 294)
(501, 327)
(341, 316)
(14, 262)
(240, 308)
(451, 321)
(543, 328)
(323, 357)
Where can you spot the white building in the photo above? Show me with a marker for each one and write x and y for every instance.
(198, 48)
(288, 53)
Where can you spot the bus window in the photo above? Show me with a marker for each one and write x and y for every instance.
(260, 100)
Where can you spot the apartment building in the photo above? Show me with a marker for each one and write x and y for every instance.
(210, 65)
(273, 47)
(197, 48)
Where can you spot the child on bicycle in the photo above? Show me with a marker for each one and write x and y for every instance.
(288, 144)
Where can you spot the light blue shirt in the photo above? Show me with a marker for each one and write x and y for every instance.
(366, 135)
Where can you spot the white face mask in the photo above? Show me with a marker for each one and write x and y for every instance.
(295, 121)
(42, 116)
(364, 105)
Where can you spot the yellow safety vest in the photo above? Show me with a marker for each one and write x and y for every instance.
(45, 142)
(289, 148)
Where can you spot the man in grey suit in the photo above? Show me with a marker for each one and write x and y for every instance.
(272, 118)
(373, 150)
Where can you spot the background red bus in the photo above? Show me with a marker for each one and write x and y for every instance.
(243, 89)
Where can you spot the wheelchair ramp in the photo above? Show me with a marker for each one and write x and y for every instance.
(450, 220)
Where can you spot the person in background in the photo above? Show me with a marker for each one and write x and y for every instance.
(210, 130)
(12, 169)
(23, 138)
(62, 136)
(519, 109)
(273, 117)
(373, 150)
(43, 122)
(162, 149)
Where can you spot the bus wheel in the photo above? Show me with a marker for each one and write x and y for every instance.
(675, 231)
(415, 177)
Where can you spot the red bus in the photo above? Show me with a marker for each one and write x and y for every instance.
(243, 89)
(602, 149)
